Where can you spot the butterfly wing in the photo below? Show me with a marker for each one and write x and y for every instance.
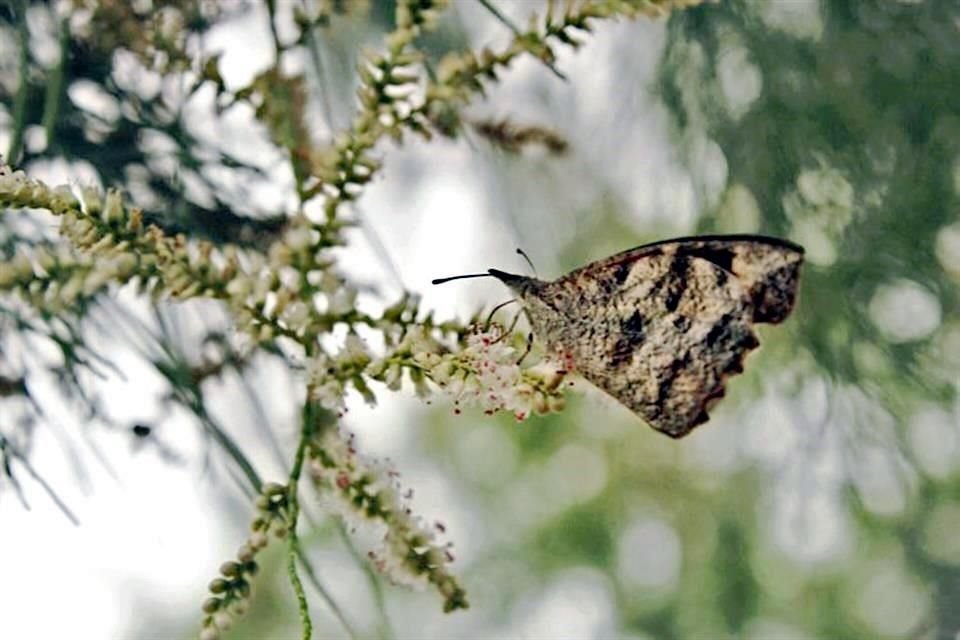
(660, 327)
(767, 268)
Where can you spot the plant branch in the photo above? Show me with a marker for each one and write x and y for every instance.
(293, 544)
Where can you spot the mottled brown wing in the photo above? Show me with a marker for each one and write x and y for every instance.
(661, 327)
(768, 268)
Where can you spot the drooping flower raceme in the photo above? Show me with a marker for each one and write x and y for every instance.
(366, 493)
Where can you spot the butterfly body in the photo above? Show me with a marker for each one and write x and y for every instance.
(660, 327)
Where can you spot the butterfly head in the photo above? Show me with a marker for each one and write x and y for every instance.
(529, 290)
(520, 284)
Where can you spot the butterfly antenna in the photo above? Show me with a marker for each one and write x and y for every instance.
(527, 258)
(467, 275)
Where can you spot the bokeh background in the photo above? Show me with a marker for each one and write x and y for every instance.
(821, 501)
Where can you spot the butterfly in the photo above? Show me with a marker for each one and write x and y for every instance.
(660, 327)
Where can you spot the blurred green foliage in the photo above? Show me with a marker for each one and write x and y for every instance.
(851, 144)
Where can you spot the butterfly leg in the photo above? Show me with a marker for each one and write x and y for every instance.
(495, 309)
(526, 351)
(509, 330)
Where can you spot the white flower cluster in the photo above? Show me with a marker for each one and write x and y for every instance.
(486, 374)
(289, 288)
(328, 376)
(17, 191)
(412, 347)
(290, 291)
(55, 279)
(366, 492)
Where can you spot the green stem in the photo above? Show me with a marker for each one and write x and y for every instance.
(23, 91)
(293, 544)
(315, 581)
(316, 57)
(499, 15)
(232, 448)
(314, 418)
(272, 16)
(7, 448)
(302, 605)
(54, 94)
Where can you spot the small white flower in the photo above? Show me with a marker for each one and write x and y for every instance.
(417, 340)
(98, 277)
(240, 287)
(22, 266)
(393, 377)
(112, 207)
(44, 258)
(70, 291)
(8, 275)
(296, 315)
(299, 238)
(354, 349)
(261, 287)
(330, 394)
(343, 300)
(125, 263)
(90, 201)
(329, 282)
(324, 387)
(12, 182)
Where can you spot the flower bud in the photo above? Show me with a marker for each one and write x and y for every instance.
(209, 633)
(212, 605)
(217, 585)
